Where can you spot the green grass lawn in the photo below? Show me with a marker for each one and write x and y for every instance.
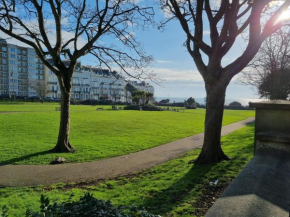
(31, 131)
(172, 189)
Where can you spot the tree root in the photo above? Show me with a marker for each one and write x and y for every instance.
(63, 148)
(208, 158)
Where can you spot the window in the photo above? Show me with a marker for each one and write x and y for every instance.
(24, 52)
(4, 61)
(13, 56)
(4, 54)
(4, 48)
(23, 57)
(13, 69)
(12, 49)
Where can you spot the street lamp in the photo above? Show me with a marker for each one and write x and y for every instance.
(11, 79)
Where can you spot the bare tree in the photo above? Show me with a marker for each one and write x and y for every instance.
(63, 31)
(269, 72)
(227, 19)
(40, 86)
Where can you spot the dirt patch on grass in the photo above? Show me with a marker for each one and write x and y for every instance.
(209, 196)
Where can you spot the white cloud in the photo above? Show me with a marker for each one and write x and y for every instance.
(177, 75)
(163, 61)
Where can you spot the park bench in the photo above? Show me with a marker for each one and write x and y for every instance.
(99, 109)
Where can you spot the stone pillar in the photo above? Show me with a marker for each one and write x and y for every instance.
(272, 124)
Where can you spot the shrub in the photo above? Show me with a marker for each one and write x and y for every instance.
(132, 107)
(145, 108)
(87, 206)
(151, 108)
(235, 103)
(191, 107)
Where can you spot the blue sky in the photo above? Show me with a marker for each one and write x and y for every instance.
(174, 64)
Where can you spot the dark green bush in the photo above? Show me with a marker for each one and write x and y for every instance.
(191, 107)
(151, 108)
(87, 206)
(132, 107)
(144, 107)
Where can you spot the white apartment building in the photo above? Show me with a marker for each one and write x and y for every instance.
(19, 65)
(143, 86)
(90, 83)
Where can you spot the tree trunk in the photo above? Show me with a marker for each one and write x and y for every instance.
(211, 151)
(63, 143)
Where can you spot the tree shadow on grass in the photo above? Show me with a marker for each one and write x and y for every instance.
(166, 200)
(26, 157)
(163, 201)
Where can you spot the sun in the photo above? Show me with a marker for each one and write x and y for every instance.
(284, 16)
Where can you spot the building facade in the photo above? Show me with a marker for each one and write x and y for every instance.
(90, 83)
(19, 66)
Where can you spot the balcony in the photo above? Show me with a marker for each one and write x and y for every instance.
(51, 82)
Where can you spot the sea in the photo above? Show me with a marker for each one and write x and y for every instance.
(244, 101)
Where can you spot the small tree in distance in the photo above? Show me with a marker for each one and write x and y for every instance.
(165, 101)
(63, 31)
(226, 21)
(40, 86)
(235, 103)
(190, 102)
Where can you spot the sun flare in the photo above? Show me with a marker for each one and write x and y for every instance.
(284, 16)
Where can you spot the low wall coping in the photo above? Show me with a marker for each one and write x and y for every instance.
(272, 104)
(273, 136)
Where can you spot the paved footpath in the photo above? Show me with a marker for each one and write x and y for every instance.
(33, 175)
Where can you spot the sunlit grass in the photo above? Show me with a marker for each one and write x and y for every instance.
(171, 189)
(27, 136)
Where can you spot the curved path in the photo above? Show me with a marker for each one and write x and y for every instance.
(33, 175)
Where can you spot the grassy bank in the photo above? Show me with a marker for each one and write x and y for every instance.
(175, 188)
